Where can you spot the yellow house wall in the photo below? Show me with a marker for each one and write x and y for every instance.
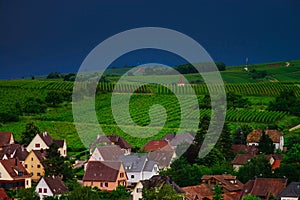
(32, 166)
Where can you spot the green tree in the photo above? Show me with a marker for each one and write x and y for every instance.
(165, 192)
(83, 193)
(239, 136)
(286, 101)
(257, 167)
(224, 143)
(34, 106)
(53, 75)
(289, 170)
(236, 101)
(217, 195)
(30, 131)
(292, 155)
(56, 165)
(54, 98)
(265, 144)
(27, 194)
(250, 197)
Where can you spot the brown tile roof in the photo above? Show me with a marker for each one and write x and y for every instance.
(263, 187)
(5, 138)
(201, 191)
(255, 135)
(163, 158)
(56, 185)
(14, 151)
(60, 143)
(3, 195)
(229, 182)
(109, 139)
(154, 145)
(241, 159)
(46, 138)
(13, 166)
(110, 152)
(276, 164)
(102, 171)
(40, 154)
(238, 148)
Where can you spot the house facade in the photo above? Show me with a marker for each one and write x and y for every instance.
(50, 186)
(33, 164)
(106, 175)
(138, 167)
(276, 136)
(44, 140)
(13, 174)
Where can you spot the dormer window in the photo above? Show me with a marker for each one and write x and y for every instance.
(20, 173)
(37, 145)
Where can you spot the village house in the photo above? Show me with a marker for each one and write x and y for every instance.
(264, 187)
(175, 139)
(14, 151)
(33, 164)
(106, 153)
(163, 157)
(44, 140)
(13, 174)
(6, 138)
(50, 186)
(106, 175)
(291, 192)
(244, 149)
(229, 183)
(138, 167)
(157, 182)
(111, 140)
(276, 136)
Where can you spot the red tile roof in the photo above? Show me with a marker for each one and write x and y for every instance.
(13, 167)
(255, 135)
(241, 159)
(229, 182)
(276, 164)
(263, 187)
(201, 191)
(154, 145)
(56, 185)
(3, 195)
(102, 171)
(238, 148)
(109, 139)
(5, 138)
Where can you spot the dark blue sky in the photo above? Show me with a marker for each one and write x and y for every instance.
(38, 37)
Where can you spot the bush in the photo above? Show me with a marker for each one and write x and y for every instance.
(9, 117)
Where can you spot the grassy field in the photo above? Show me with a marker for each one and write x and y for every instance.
(58, 121)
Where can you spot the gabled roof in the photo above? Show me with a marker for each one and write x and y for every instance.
(241, 159)
(109, 139)
(134, 163)
(102, 171)
(229, 182)
(40, 154)
(149, 166)
(14, 168)
(110, 152)
(238, 148)
(56, 185)
(9, 150)
(48, 140)
(292, 190)
(176, 139)
(255, 135)
(158, 180)
(5, 138)
(262, 187)
(163, 158)
(154, 145)
(201, 191)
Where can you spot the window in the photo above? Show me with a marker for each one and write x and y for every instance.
(104, 184)
(64, 152)
(38, 166)
(38, 174)
(27, 182)
(0, 175)
(121, 175)
(40, 190)
(32, 159)
(45, 190)
(132, 176)
(37, 145)
(139, 190)
(20, 173)
(25, 165)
